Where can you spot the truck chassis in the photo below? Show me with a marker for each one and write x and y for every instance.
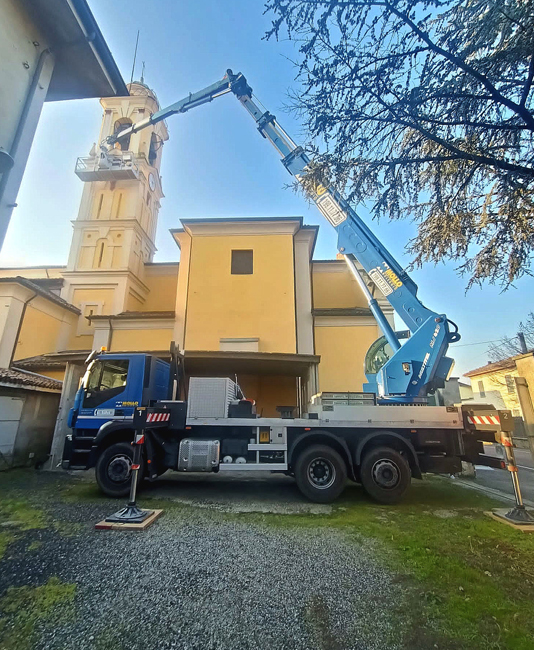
(382, 448)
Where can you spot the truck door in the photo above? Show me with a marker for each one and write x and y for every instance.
(107, 393)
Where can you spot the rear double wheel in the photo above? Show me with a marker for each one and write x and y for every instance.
(114, 469)
(385, 474)
(321, 473)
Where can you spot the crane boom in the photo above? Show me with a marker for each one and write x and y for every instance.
(415, 368)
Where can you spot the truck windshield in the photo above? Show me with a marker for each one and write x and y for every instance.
(106, 379)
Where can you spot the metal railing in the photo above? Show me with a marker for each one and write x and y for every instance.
(114, 165)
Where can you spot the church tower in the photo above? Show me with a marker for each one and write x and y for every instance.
(115, 229)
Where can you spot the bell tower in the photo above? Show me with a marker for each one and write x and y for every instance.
(115, 229)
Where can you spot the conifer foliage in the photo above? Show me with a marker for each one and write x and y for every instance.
(424, 110)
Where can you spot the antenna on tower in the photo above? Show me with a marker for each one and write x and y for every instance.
(135, 56)
(143, 73)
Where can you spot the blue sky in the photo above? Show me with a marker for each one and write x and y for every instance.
(215, 164)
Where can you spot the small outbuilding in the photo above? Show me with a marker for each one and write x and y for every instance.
(28, 411)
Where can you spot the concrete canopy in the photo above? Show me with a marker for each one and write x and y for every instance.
(84, 64)
(261, 363)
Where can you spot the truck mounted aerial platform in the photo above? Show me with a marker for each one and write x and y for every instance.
(384, 438)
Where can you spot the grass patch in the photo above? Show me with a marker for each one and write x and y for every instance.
(5, 541)
(81, 492)
(34, 546)
(23, 608)
(22, 514)
(17, 515)
(472, 580)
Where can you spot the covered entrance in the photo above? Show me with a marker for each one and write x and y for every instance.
(275, 381)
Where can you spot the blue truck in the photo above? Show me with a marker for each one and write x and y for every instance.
(381, 439)
(217, 430)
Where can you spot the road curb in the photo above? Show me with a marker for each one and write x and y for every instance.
(492, 492)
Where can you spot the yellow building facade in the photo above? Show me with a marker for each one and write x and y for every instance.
(244, 297)
(495, 382)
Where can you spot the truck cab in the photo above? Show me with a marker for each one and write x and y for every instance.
(111, 388)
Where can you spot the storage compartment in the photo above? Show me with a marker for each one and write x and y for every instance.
(210, 397)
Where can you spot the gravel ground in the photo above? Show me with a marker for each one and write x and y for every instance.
(202, 579)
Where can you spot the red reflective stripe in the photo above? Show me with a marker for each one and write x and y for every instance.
(136, 466)
(149, 418)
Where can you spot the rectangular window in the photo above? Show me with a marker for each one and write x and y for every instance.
(104, 381)
(242, 263)
(481, 389)
(510, 383)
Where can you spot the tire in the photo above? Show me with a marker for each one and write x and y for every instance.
(385, 475)
(321, 473)
(112, 470)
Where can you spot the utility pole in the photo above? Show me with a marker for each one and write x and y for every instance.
(522, 343)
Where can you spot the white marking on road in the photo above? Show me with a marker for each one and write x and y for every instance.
(529, 468)
(491, 469)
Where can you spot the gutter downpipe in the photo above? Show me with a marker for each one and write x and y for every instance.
(20, 130)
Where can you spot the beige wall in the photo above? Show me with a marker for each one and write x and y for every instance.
(342, 350)
(31, 324)
(34, 273)
(53, 373)
(334, 286)
(162, 283)
(496, 389)
(42, 328)
(136, 340)
(222, 305)
(525, 368)
(269, 392)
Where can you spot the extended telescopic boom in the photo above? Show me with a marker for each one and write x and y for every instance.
(421, 364)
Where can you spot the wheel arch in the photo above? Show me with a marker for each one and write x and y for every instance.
(323, 437)
(108, 434)
(388, 439)
(112, 432)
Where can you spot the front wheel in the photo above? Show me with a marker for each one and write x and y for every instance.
(114, 470)
(320, 473)
(385, 474)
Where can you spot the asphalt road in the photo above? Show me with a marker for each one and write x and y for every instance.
(501, 480)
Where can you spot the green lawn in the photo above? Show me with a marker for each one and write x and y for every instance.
(470, 578)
